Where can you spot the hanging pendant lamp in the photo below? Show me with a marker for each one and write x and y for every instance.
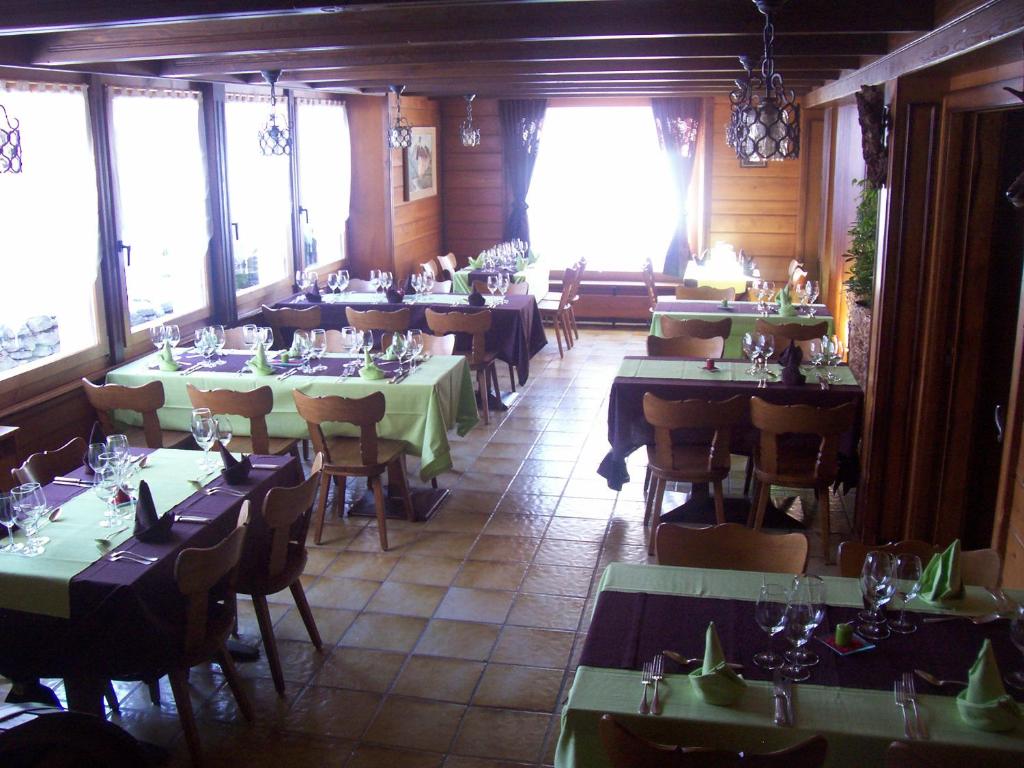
(275, 137)
(400, 133)
(10, 143)
(469, 133)
(739, 97)
(768, 123)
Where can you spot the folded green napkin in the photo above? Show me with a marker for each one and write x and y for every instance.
(716, 682)
(259, 363)
(941, 578)
(984, 704)
(476, 262)
(370, 370)
(167, 361)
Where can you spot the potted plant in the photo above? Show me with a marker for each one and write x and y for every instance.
(863, 243)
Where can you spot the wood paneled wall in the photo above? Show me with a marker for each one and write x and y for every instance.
(473, 183)
(417, 226)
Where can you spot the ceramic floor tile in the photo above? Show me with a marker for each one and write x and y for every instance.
(576, 529)
(533, 647)
(457, 521)
(431, 571)
(385, 632)
(504, 548)
(516, 687)
(475, 605)
(517, 525)
(362, 669)
(546, 611)
(369, 756)
(415, 724)
(558, 580)
(330, 623)
(581, 554)
(332, 712)
(501, 733)
(351, 594)
(363, 565)
(299, 662)
(444, 544)
(406, 599)
(515, 503)
(483, 574)
(458, 639)
(430, 677)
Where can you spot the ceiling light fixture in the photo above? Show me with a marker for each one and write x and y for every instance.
(739, 97)
(400, 133)
(768, 124)
(275, 137)
(10, 144)
(470, 134)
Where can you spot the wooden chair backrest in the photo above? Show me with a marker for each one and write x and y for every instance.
(627, 750)
(358, 285)
(282, 506)
(581, 267)
(829, 424)
(431, 267)
(288, 318)
(695, 328)
(705, 293)
(802, 334)
(476, 324)
(42, 467)
(234, 338)
(363, 412)
(721, 416)
(441, 286)
(685, 346)
(652, 288)
(731, 546)
(978, 567)
(378, 319)
(448, 263)
(569, 286)
(434, 345)
(146, 399)
(335, 343)
(255, 406)
(208, 575)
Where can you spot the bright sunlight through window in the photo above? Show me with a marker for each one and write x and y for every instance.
(325, 176)
(601, 189)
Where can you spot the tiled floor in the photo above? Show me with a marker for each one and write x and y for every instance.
(455, 648)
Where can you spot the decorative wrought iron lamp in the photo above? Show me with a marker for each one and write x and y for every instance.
(739, 97)
(768, 123)
(10, 144)
(400, 133)
(275, 138)
(470, 133)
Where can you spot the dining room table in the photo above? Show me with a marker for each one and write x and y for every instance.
(644, 610)
(80, 611)
(744, 316)
(421, 406)
(534, 275)
(516, 335)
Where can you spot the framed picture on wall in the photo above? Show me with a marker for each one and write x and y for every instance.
(421, 164)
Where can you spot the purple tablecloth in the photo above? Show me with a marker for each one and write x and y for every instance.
(517, 332)
(629, 430)
(629, 628)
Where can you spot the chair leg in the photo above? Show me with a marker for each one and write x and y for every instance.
(321, 506)
(658, 495)
(825, 511)
(396, 475)
(111, 696)
(154, 690)
(512, 376)
(302, 604)
(259, 604)
(748, 476)
(719, 502)
(493, 371)
(558, 335)
(481, 388)
(572, 321)
(179, 686)
(647, 482)
(764, 491)
(340, 484)
(382, 517)
(227, 666)
(566, 331)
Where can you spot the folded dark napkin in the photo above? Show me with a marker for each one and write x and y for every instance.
(148, 527)
(235, 471)
(394, 295)
(476, 299)
(790, 362)
(407, 285)
(96, 435)
(313, 295)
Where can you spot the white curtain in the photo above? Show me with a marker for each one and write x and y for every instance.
(325, 177)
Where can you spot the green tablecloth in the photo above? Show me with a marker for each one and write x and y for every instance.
(728, 371)
(535, 275)
(741, 324)
(859, 724)
(41, 584)
(420, 409)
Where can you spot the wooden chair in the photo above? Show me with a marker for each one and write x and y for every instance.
(145, 400)
(234, 338)
(379, 319)
(481, 362)
(434, 345)
(695, 328)
(799, 448)
(357, 285)
(802, 334)
(557, 311)
(448, 264)
(627, 750)
(431, 267)
(255, 406)
(705, 293)
(703, 460)
(286, 321)
(42, 467)
(685, 346)
(574, 299)
(733, 546)
(647, 272)
(979, 567)
(335, 342)
(366, 456)
(275, 557)
(55, 738)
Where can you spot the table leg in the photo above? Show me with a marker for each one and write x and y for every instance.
(85, 694)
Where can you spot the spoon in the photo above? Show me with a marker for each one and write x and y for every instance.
(54, 515)
(683, 661)
(987, 618)
(105, 540)
(928, 677)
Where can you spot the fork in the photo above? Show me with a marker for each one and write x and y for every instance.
(987, 618)
(901, 701)
(228, 491)
(645, 681)
(131, 557)
(911, 693)
(657, 673)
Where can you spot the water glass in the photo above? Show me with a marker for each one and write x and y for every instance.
(798, 624)
(343, 279)
(318, 346)
(218, 338)
(7, 520)
(29, 509)
(172, 334)
(267, 337)
(908, 586)
(118, 446)
(810, 590)
(492, 285)
(414, 342)
(877, 584)
(367, 341)
(504, 280)
(428, 282)
(375, 280)
(224, 430)
(93, 455)
(332, 281)
(250, 336)
(156, 335)
(350, 339)
(769, 613)
(204, 432)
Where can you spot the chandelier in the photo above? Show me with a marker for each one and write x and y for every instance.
(275, 139)
(470, 134)
(400, 134)
(10, 144)
(739, 96)
(768, 122)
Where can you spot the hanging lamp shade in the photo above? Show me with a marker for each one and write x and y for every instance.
(275, 136)
(468, 132)
(400, 132)
(10, 143)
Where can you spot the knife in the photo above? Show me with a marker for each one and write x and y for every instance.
(76, 481)
(781, 716)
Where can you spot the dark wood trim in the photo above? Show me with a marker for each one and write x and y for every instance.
(298, 247)
(221, 254)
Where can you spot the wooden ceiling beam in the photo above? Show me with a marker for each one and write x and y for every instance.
(479, 22)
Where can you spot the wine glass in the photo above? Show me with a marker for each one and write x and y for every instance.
(332, 281)
(797, 625)
(7, 520)
(224, 430)
(318, 346)
(769, 612)
(118, 445)
(204, 431)
(877, 585)
(503, 283)
(1016, 678)
(197, 415)
(172, 333)
(415, 344)
(350, 339)
(127, 479)
(93, 452)
(343, 279)
(816, 354)
(399, 348)
(812, 290)
(810, 590)
(156, 335)
(30, 507)
(428, 282)
(267, 336)
(908, 586)
(375, 280)
(218, 338)
(301, 348)
(367, 341)
(416, 280)
(750, 351)
(250, 336)
(492, 286)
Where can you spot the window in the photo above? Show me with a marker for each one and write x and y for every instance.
(49, 248)
(162, 209)
(601, 189)
(259, 195)
(325, 176)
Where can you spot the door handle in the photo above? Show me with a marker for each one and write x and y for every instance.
(304, 212)
(127, 251)
(234, 226)
(1000, 423)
